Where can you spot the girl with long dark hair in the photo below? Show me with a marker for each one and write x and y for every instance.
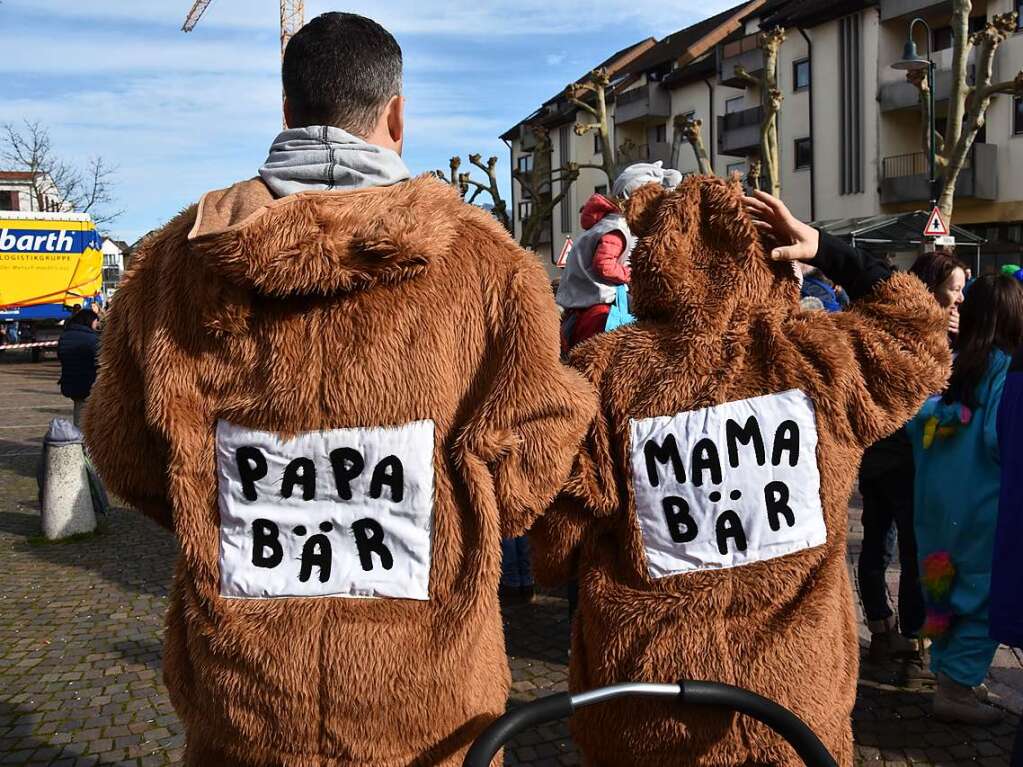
(956, 452)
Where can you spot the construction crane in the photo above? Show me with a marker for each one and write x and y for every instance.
(292, 18)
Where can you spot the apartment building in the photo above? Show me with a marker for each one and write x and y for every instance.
(849, 128)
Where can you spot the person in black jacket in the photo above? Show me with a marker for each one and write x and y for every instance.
(77, 350)
(886, 473)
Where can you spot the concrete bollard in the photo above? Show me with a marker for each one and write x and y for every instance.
(67, 501)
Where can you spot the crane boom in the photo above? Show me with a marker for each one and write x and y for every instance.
(198, 9)
(292, 19)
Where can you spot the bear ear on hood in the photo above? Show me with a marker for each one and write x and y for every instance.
(642, 206)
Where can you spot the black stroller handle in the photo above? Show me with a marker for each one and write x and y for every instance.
(560, 706)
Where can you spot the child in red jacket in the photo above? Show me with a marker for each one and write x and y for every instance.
(599, 260)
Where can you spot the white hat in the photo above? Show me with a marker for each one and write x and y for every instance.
(643, 173)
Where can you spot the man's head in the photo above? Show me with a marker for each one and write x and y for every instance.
(86, 317)
(344, 70)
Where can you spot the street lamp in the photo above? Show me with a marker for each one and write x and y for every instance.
(912, 61)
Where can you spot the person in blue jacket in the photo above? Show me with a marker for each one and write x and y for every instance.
(78, 349)
(958, 479)
(1006, 611)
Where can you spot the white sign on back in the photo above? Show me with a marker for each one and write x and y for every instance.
(728, 485)
(345, 512)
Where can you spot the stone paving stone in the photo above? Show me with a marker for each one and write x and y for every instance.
(81, 627)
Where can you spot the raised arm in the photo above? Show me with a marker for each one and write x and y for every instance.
(879, 360)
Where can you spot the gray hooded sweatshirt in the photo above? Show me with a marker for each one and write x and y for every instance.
(321, 157)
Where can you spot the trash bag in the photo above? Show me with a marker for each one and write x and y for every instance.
(64, 432)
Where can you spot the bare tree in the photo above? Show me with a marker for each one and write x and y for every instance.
(537, 186)
(464, 182)
(689, 130)
(594, 90)
(771, 99)
(967, 104)
(56, 182)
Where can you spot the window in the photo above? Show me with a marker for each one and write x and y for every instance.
(1019, 14)
(804, 153)
(1017, 115)
(9, 200)
(525, 163)
(801, 75)
(661, 133)
(602, 189)
(733, 105)
(943, 38)
(596, 142)
(525, 209)
(850, 105)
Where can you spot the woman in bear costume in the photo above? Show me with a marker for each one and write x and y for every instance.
(707, 511)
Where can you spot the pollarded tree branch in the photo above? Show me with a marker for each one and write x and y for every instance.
(977, 101)
(690, 130)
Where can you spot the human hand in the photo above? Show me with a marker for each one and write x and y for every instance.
(795, 240)
(953, 321)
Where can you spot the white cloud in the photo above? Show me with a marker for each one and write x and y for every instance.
(554, 59)
(455, 18)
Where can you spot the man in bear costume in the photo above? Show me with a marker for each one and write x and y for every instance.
(339, 388)
(706, 515)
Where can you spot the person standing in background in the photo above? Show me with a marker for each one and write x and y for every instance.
(957, 454)
(77, 350)
(886, 485)
(599, 261)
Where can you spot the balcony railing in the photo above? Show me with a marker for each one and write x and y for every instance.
(745, 54)
(739, 132)
(630, 97)
(739, 47)
(743, 118)
(904, 177)
(645, 103)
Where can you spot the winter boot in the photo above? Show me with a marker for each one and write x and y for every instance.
(954, 702)
(886, 643)
(915, 672)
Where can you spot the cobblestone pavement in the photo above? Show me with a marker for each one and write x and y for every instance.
(81, 626)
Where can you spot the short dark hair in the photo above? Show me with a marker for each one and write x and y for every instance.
(340, 69)
(84, 317)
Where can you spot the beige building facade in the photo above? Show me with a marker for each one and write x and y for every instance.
(849, 128)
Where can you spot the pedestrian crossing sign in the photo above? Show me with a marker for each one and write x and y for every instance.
(936, 226)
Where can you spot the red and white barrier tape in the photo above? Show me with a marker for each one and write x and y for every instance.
(36, 345)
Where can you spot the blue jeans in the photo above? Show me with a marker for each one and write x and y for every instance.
(515, 568)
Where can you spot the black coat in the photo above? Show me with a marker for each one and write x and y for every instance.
(77, 349)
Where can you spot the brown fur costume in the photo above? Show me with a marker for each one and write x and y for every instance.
(326, 310)
(720, 322)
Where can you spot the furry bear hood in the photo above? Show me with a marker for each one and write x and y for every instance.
(699, 257)
(324, 242)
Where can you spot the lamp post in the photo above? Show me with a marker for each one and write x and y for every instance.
(911, 60)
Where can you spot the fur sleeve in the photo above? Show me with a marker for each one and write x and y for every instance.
(876, 363)
(591, 490)
(529, 425)
(129, 455)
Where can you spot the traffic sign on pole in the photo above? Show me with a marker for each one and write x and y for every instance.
(565, 249)
(936, 226)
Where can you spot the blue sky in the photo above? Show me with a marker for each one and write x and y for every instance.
(179, 114)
